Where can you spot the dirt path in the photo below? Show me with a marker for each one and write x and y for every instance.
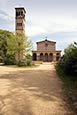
(32, 91)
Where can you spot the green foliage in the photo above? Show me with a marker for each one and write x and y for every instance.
(20, 42)
(6, 44)
(69, 85)
(21, 63)
(26, 62)
(28, 46)
(11, 45)
(4, 36)
(24, 45)
(10, 60)
(68, 61)
(29, 57)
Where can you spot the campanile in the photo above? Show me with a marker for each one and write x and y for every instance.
(20, 19)
(20, 29)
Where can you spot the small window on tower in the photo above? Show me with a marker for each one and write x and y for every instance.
(19, 24)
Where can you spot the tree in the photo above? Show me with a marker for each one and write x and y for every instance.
(7, 40)
(69, 60)
(23, 46)
(12, 46)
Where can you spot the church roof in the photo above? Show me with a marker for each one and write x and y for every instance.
(46, 40)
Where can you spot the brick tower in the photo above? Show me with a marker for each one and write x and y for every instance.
(20, 28)
(20, 19)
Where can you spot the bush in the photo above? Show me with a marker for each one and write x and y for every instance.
(21, 63)
(9, 60)
(26, 62)
(68, 61)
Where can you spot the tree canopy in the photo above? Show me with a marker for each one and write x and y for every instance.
(11, 44)
(69, 60)
(7, 45)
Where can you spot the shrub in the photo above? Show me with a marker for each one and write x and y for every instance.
(26, 62)
(9, 60)
(68, 61)
(21, 63)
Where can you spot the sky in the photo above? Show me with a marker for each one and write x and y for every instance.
(55, 20)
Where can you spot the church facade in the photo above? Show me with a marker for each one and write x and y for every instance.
(46, 51)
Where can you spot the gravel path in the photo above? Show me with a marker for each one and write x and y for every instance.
(31, 91)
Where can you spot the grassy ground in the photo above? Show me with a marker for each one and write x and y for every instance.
(69, 87)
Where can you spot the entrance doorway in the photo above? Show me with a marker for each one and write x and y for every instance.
(46, 57)
(50, 57)
(34, 56)
(41, 57)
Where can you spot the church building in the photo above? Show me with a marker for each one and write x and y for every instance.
(46, 51)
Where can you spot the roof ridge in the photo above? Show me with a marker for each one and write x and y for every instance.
(46, 40)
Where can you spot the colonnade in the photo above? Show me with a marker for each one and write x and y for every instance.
(46, 57)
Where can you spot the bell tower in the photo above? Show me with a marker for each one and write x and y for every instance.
(20, 19)
(20, 29)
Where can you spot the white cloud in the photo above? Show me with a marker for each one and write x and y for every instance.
(35, 30)
(51, 25)
(5, 17)
(46, 17)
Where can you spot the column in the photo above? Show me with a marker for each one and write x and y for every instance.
(38, 57)
(54, 56)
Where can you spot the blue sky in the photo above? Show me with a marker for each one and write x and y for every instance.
(54, 19)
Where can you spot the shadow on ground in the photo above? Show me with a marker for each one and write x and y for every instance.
(23, 92)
